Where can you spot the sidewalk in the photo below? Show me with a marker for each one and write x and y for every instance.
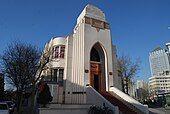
(167, 110)
(156, 111)
(26, 110)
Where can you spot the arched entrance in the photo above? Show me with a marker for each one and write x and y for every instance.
(97, 68)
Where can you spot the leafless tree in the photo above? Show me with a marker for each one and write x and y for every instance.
(20, 64)
(127, 70)
(23, 64)
(42, 65)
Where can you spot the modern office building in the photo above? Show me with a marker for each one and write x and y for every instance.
(168, 46)
(82, 68)
(132, 89)
(159, 61)
(159, 82)
(142, 89)
(141, 84)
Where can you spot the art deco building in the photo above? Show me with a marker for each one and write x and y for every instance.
(83, 65)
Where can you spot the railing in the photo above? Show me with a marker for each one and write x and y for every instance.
(124, 108)
(95, 98)
(132, 103)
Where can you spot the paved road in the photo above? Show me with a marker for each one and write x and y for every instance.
(159, 110)
(167, 110)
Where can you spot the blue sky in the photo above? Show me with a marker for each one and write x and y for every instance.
(137, 26)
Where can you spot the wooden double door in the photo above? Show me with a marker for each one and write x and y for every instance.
(96, 78)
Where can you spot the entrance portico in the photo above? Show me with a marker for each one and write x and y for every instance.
(97, 68)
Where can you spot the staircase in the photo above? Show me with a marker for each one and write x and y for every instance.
(124, 107)
(95, 98)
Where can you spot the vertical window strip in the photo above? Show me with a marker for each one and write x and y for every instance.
(60, 79)
(62, 50)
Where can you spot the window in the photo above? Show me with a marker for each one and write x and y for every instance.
(55, 75)
(3, 107)
(62, 49)
(58, 51)
(58, 76)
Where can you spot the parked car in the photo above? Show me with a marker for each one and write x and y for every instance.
(11, 106)
(4, 108)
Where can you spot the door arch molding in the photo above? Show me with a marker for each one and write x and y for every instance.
(98, 67)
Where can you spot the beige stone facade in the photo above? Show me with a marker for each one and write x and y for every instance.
(83, 58)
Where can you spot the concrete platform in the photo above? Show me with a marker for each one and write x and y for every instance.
(65, 109)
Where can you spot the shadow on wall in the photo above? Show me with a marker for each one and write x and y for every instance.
(77, 94)
(71, 93)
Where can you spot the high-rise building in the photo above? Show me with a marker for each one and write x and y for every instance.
(159, 84)
(159, 62)
(168, 46)
(160, 70)
(141, 89)
(140, 84)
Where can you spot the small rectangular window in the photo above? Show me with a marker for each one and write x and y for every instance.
(3, 107)
(60, 78)
(55, 75)
(62, 50)
(56, 52)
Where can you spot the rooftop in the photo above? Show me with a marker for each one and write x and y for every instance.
(168, 44)
(93, 12)
(157, 49)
